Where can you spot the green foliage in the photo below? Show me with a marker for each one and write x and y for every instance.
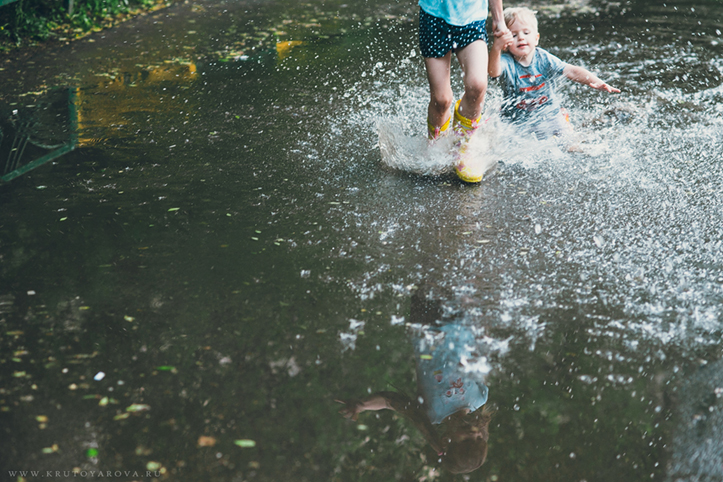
(26, 18)
(31, 20)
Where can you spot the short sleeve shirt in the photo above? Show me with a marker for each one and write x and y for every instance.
(456, 12)
(529, 92)
(444, 386)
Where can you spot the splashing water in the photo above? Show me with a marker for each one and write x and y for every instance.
(611, 212)
(494, 141)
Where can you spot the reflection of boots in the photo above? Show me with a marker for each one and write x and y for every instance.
(434, 132)
(463, 130)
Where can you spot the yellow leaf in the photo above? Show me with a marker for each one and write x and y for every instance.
(204, 441)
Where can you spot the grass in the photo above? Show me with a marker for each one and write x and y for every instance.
(31, 22)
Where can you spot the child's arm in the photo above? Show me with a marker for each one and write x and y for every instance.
(584, 76)
(399, 403)
(494, 67)
(499, 27)
(352, 408)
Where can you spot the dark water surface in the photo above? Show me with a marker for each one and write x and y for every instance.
(224, 254)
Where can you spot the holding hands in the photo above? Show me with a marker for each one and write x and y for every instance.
(502, 40)
(500, 29)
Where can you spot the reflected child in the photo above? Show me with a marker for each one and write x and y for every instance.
(450, 410)
(528, 75)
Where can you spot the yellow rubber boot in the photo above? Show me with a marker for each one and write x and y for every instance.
(434, 132)
(463, 128)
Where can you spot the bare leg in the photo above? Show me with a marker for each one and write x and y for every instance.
(440, 89)
(473, 59)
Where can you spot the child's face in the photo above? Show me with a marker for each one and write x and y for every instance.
(525, 38)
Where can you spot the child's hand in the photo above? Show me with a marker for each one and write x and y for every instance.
(600, 85)
(584, 76)
(499, 29)
(352, 408)
(503, 41)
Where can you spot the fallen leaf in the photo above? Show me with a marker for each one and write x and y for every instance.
(138, 407)
(204, 441)
(245, 443)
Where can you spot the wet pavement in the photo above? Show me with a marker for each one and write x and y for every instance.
(225, 253)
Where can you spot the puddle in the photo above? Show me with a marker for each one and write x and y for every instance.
(228, 247)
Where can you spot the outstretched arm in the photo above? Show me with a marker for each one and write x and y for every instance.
(584, 76)
(353, 407)
(401, 404)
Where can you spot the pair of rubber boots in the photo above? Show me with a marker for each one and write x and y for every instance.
(463, 129)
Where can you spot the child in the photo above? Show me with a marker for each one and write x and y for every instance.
(458, 26)
(527, 74)
(448, 397)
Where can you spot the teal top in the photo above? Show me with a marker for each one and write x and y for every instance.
(456, 12)
(444, 385)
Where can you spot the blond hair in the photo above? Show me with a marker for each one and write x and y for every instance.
(519, 13)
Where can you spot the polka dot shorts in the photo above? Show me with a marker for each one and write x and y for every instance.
(437, 37)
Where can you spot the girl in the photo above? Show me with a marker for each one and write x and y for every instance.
(458, 26)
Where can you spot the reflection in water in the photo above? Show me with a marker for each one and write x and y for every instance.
(121, 97)
(283, 49)
(191, 274)
(62, 119)
(450, 408)
(34, 134)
